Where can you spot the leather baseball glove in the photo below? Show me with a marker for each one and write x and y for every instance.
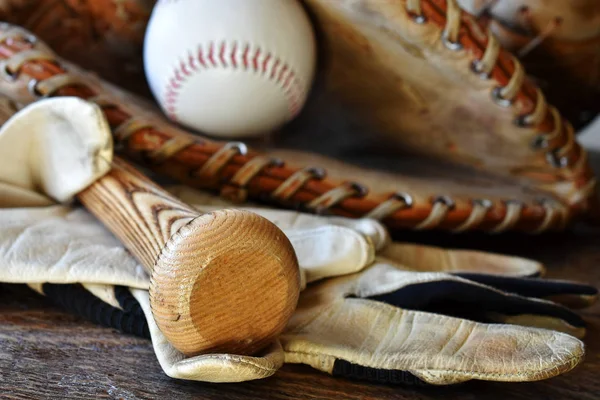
(95, 34)
(423, 71)
(559, 44)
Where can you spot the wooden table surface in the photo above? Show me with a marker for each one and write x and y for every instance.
(46, 353)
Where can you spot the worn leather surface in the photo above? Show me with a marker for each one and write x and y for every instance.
(425, 96)
(56, 147)
(103, 35)
(559, 44)
(334, 322)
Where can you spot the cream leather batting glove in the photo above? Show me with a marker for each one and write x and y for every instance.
(362, 321)
(419, 314)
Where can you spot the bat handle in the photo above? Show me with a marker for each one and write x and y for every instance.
(226, 281)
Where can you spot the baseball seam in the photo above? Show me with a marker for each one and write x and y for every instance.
(232, 55)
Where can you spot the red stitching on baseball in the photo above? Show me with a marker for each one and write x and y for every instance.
(192, 61)
(245, 56)
(201, 57)
(184, 69)
(174, 84)
(222, 54)
(265, 62)
(255, 59)
(211, 54)
(282, 72)
(288, 80)
(233, 53)
(279, 72)
(275, 66)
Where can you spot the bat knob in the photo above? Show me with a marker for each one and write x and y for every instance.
(226, 282)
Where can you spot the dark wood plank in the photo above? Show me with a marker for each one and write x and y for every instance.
(45, 353)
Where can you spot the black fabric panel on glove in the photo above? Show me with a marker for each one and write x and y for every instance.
(472, 301)
(345, 369)
(75, 299)
(531, 287)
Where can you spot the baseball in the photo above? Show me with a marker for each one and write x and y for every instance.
(230, 68)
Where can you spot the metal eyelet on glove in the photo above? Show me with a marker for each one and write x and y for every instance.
(445, 200)
(32, 88)
(484, 203)
(555, 160)
(360, 190)
(241, 148)
(540, 142)
(413, 7)
(31, 39)
(454, 46)
(497, 96)
(476, 67)
(405, 198)
(484, 66)
(317, 173)
(6, 74)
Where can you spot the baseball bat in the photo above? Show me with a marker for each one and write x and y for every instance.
(226, 281)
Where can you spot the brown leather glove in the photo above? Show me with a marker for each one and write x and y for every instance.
(545, 181)
(96, 34)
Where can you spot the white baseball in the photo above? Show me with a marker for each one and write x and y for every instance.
(230, 68)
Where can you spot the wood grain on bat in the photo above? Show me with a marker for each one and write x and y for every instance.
(140, 215)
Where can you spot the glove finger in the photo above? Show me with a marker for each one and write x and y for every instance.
(361, 338)
(370, 228)
(570, 294)
(428, 258)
